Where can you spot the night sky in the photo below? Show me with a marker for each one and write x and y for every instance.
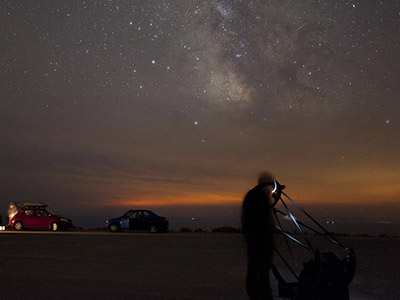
(177, 105)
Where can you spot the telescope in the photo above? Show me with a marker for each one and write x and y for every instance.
(324, 276)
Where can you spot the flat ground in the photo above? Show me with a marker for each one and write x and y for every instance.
(76, 265)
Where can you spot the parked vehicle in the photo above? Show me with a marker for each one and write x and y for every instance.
(36, 216)
(138, 220)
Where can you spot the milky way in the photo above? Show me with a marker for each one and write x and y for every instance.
(184, 102)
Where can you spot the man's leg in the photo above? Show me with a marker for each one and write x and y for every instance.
(263, 283)
(252, 277)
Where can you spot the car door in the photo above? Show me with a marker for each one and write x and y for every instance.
(39, 220)
(143, 220)
(133, 220)
(27, 218)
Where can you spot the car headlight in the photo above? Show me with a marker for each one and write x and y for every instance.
(64, 220)
(107, 222)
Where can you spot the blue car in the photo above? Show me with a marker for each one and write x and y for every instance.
(138, 220)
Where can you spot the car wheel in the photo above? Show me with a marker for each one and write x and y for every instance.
(54, 226)
(114, 227)
(153, 229)
(18, 226)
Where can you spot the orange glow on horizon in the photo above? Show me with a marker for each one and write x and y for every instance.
(183, 199)
(346, 194)
(351, 187)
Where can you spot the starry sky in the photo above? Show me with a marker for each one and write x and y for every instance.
(178, 105)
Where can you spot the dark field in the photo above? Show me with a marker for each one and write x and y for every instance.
(74, 265)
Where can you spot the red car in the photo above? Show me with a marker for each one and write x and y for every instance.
(36, 216)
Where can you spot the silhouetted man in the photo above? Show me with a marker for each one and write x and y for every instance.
(258, 233)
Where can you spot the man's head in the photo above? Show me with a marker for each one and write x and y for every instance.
(265, 177)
